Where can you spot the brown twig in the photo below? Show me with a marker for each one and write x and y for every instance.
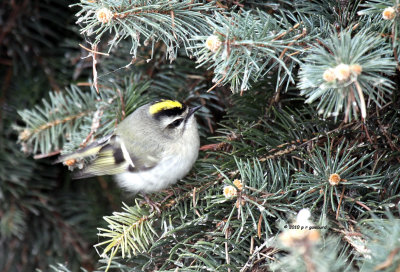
(173, 23)
(194, 198)
(390, 142)
(305, 142)
(367, 133)
(340, 203)
(94, 63)
(388, 262)
(172, 202)
(50, 154)
(219, 4)
(95, 125)
(52, 124)
(286, 32)
(259, 226)
(94, 51)
(88, 84)
(279, 153)
(298, 52)
(357, 202)
(122, 104)
(138, 13)
(290, 44)
(216, 84)
(194, 202)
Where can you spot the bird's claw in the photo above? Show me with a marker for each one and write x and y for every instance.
(153, 205)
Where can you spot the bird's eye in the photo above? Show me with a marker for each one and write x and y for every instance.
(175, 123)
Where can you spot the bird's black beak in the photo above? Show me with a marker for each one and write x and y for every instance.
(192, 110)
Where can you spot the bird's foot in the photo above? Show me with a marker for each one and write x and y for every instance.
(153, 205)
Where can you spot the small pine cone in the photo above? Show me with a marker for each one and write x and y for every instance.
(389, 13)
(213, 43)
(104, 15)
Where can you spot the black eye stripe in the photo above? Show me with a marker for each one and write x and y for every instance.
(175, 123)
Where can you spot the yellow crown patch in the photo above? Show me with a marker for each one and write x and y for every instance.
(164, 105)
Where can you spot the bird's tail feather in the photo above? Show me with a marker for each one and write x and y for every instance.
(110, 158)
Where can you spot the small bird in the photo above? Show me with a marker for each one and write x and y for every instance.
(150, 149)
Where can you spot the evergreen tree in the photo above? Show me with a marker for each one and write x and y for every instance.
(299, 166)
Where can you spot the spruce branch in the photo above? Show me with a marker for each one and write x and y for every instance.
(382, 243)
(245, 46)
(257, 194)
(344, 68)
(48, 126)
(386, 16)
(329, 168)
(341, 14)
(145, 22)
(129, 232)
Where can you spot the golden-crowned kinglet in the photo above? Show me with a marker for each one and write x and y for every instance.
(149, 150)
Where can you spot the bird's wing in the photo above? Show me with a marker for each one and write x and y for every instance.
(111, 158)
(90, 150)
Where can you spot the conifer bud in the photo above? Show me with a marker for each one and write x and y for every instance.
(329, 75)
(238, 184)
(356, 68)
(230, 191)
(334, 179)
(24, 135)
(104, 15)
(342, 72)
(389, 13)
(213, 43)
